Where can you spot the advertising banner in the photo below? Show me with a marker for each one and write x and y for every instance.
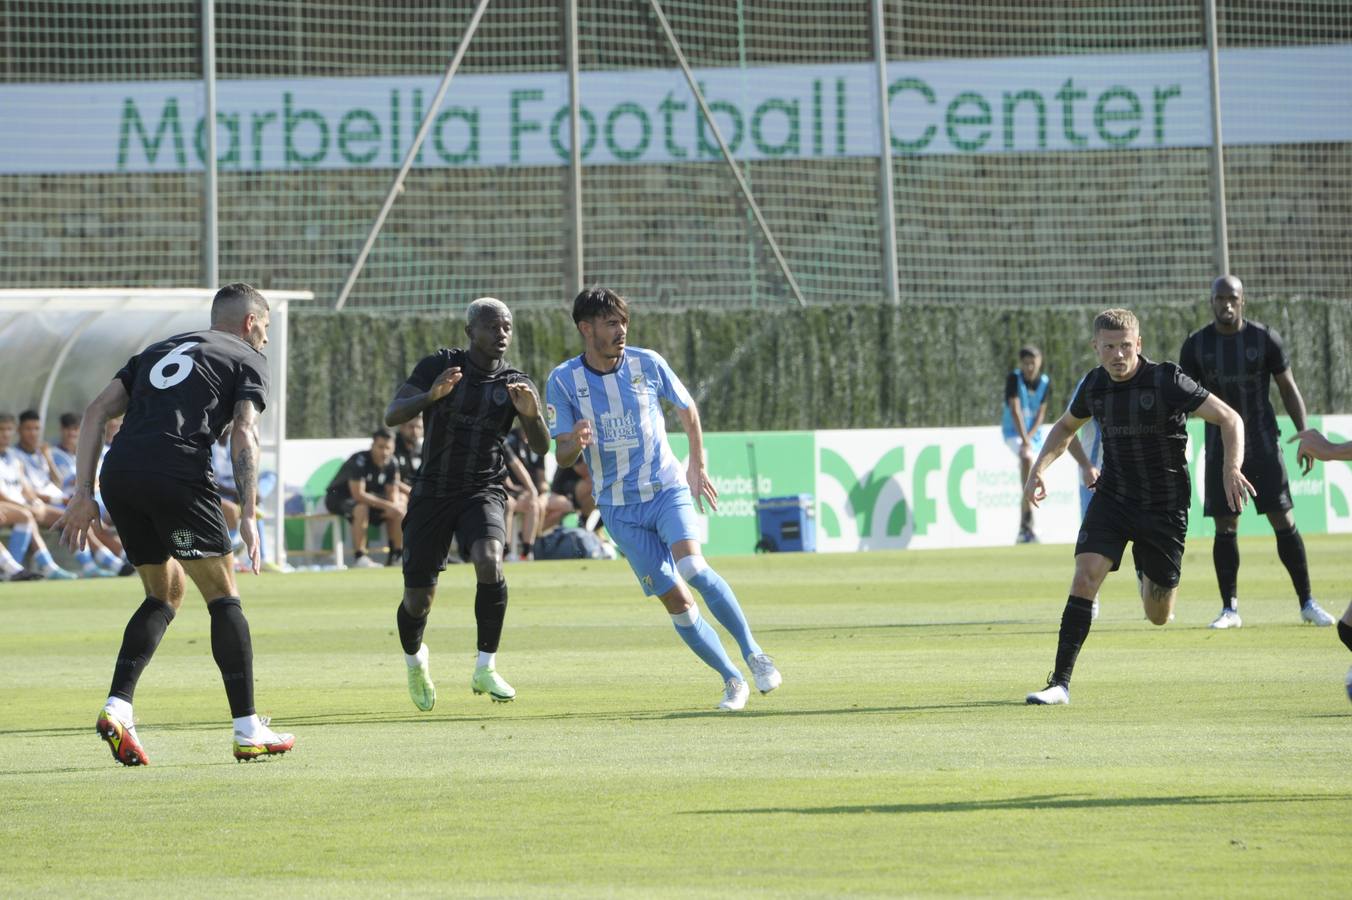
(916, 488)
(1059, 103)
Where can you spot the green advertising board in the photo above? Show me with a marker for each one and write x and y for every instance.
(1307, 491)
(745, 466)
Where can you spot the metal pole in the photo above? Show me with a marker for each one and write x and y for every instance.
(727, 154)
(1220, 229)
(885, 160)
(280, 336)
(575, 153)
(397, 185)
(211, 237)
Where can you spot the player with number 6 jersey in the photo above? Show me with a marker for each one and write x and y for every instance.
(179, 395)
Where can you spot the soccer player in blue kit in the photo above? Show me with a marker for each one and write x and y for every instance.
(606, 405)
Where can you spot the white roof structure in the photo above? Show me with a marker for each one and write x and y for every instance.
(60, 347)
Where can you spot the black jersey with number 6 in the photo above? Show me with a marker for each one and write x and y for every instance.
(183, 392)
(1144, 424)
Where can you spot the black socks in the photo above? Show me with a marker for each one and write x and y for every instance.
(1225, 554)
(142, 635)
(1075, 622)
(1291, 550)
(232, 649)
(410, 629)
(490, 608)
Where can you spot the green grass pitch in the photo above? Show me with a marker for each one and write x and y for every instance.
(897, 759)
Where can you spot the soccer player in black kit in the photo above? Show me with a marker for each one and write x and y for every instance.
(1143, 491)
(468, 400)
(179, 395)
(1236, 358)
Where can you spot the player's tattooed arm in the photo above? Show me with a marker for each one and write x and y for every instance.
(409, 401)
(244, 455)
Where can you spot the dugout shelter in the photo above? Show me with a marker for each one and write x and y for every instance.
(59, 348)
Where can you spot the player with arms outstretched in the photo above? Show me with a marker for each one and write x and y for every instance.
(1143, 491)
(179, 395)
(468, 400)
(606, 405)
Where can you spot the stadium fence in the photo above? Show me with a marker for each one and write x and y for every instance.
(1042, 152)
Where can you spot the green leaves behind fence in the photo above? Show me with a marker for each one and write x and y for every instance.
(822, 367)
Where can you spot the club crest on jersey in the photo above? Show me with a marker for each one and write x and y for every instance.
(1147, 401)
(499, 395)
(183, 543)
(1251, 353)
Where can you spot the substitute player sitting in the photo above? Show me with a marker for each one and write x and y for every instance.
(1143, 491)
(365, 491)
(606, 405)
(1236, 359)
(468, 400)
(179, 394)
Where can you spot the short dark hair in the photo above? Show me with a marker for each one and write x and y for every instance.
(69, 420)
(235, 301)
(29, 415)
(382, 433)
(1028, 351)
(598, 301)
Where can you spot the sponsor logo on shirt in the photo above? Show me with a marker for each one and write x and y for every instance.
(619, 432)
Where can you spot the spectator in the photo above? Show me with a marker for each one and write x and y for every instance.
(47, 501)
(366, 492)
(61, 458)
(17, 509)
(527, 490)
(408, 448)
(1027, 395)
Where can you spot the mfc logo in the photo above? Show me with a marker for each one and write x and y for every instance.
(885, 517)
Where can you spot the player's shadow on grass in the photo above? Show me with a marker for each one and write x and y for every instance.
(1035, 802)
(519, 715)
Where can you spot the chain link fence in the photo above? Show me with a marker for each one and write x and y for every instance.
(1043, 152)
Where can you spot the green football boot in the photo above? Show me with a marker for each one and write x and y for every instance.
(420, 687)
(487, 681)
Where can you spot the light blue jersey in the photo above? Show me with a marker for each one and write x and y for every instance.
(630, 459)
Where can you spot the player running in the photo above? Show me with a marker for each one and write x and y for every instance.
(1143, 491)
(179, 395)
(1235, 358)
(606, 404)
(468, 400)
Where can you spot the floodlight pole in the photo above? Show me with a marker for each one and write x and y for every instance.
(575, 152)
(397, 185)
(889, 209)
(211, 235)
(1219, 226)
(727, 154)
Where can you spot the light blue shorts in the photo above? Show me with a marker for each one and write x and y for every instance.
(644, 532)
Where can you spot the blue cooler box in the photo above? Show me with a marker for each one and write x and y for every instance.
(787, 523)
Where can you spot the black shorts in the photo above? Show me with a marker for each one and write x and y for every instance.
(343, 506)
(431, 522)
(1265, 471)
(565, 483)
(1156, 537)
(157, 517)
